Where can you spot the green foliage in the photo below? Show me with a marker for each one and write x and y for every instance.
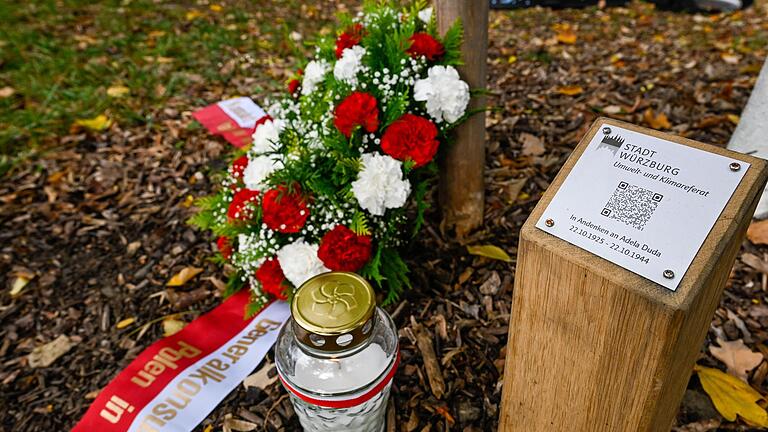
(452, 41)
(255, 305)
(419, 195)
(235, 283)
(395, 272)
(360, 224)
(388, 266)
(204, 219)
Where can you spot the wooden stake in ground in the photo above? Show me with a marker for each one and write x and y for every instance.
(462, 191)
(594, 347)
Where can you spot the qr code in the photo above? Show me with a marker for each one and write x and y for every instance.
(632, 205)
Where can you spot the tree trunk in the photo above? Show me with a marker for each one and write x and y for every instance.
(462, 189)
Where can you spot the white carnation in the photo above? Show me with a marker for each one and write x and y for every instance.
(258, 169)
(266, 137)
(349, 64)
(299, 262)
(380, 184)
(314, 74)
(446, 94)
(426, 14)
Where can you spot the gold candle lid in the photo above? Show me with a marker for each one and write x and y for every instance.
(333, 311)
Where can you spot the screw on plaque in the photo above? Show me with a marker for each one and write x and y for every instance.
(669, 274)
(606, 130)
(734, 166)
(549, 222)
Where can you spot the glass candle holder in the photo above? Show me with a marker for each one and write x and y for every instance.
(337, 355)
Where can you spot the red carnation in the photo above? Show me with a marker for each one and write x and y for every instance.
(425, 45)
(225, 247)
(293, 85)
(238, 166)
(284, 211)
(357, 109)
(242, 205)
(343, 250)
(411, 137)
(272, 279)
(351, 37)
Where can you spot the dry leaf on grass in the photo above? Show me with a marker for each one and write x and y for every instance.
(261, 378)
(732, 397)
(184, 276)
(739, 359)
(757, 232)
(118, 91)
(6, 92)
(489, 251)
(98, 123)
(45, 355)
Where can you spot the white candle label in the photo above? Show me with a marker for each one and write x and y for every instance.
(641, 202)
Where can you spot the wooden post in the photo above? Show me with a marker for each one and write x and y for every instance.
(595, 347)
(462, 189)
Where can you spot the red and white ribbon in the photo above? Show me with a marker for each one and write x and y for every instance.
(348, 401)
(234, 119)
(176, 382)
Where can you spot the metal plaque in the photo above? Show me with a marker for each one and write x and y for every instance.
(641, 202)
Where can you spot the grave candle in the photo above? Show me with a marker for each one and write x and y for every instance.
(337, 355)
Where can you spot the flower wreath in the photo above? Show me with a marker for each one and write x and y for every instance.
(337, 173)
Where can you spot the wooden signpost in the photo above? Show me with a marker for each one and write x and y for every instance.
(593, 345)
(462, 189)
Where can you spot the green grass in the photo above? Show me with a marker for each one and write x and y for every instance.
(60, 57)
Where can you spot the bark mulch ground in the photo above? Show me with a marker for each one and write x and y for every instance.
(98, 221)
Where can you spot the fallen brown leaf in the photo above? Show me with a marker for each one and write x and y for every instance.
(656, 121)
(757, 232)
(739, 359)
(171, 326)
(45, 355)
(261, 378)
(532, 145)
(184, 276)
(570, 90)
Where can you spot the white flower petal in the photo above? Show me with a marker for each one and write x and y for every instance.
(425, 14)
(299, 262)
(314, 74)
(266, 138)
(380, 184)
(445, 94)
(258, 169)
(347, 67)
